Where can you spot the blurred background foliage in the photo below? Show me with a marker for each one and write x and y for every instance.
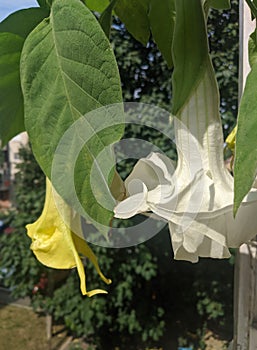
(153, 300)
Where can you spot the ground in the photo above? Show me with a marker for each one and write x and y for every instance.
(22, 329)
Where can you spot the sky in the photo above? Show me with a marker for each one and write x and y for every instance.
(9, 6)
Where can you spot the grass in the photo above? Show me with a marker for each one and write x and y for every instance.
(22, 329)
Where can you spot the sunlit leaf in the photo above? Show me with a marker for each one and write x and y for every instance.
(67, 70)
(142, 18)
(45, 3)
(106, 18)
(220, 4)
(189, 36)
(11, 101)
(162, 21)
(24, 21)
(134, 14)
(252, 48)
(97, 5)
(13, 30)
(245, 165)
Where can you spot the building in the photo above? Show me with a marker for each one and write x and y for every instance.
(8, 169)
(14, 146)
(4, 174)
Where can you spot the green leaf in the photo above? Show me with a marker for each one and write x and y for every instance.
(253, 7)
(146, 16)
(13, 30)
(106, 18)
(162, 21)
(245, 166)
(67, 70)
(134, 14)
(97, 5)
(220, 4)
(252, 48)
(45, 3)
(190, 50)
(11, 101)
(24, 21)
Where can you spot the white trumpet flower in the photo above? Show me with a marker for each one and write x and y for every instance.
(196, 199)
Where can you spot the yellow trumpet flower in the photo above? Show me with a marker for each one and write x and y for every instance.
(56, 245)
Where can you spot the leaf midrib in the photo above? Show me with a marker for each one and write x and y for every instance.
(71, 106)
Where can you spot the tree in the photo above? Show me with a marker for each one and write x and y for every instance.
(19, 269)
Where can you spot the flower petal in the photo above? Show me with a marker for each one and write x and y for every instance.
(193, 243)
(153, 170)
(135, 204)
(53, 242)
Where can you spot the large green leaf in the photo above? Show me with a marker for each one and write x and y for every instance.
(13, 30)
(162, 21)
(146, 16)
(190, 50)
(220, 4)
(134, 14)
(106, 18)
(24, 21)
(67, 70)
(245, 166)
(11, 102)
(97, 5)
(252, 48)
(45, 3)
